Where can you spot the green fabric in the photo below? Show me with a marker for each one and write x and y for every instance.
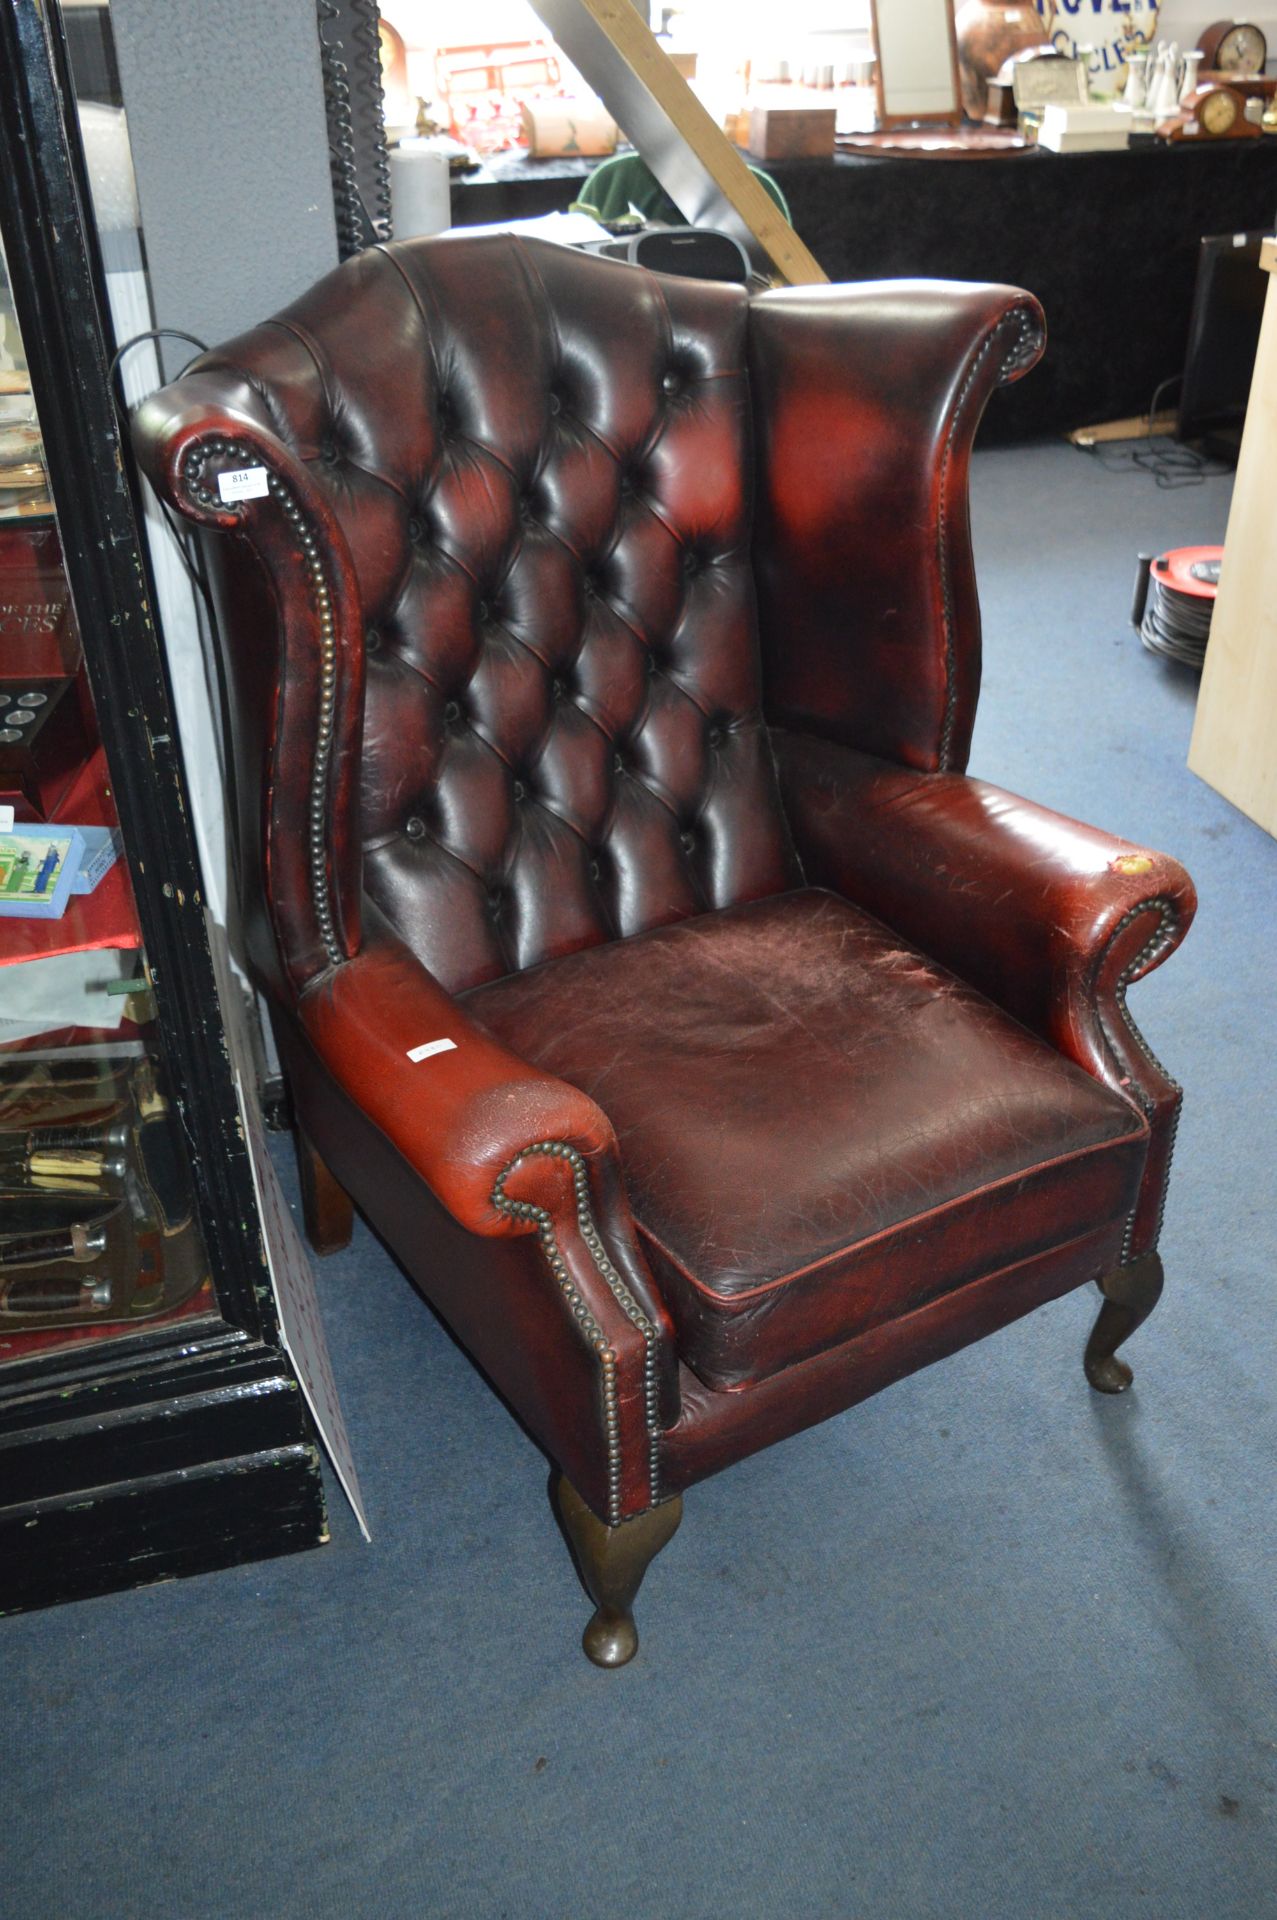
(626, 181)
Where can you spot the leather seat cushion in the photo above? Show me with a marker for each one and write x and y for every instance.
(820, 1129)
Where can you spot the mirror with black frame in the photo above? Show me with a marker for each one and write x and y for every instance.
(103, 1083)
(98, 1231)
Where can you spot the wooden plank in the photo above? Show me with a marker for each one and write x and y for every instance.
(618, 54)
(1136, 426)
(1234, 744)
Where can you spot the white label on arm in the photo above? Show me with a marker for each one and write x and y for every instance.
(424, 1051)
(243, 483)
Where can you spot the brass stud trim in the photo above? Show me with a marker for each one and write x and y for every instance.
(1020, 353)
(1026, 346)
(581, 1313)
(219, 446)
(1162, 938)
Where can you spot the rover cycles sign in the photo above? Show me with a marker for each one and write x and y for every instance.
(1112, 29)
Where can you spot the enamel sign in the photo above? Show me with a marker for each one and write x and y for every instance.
(1112, 29)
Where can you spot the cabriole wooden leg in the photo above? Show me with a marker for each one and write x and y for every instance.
(327, 1209)
(1130, 1294)
(612, 1562)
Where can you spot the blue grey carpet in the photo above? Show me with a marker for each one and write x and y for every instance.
(987, 1647)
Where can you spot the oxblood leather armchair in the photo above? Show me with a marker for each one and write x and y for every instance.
(710, 1049)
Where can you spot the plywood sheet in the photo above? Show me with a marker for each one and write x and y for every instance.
(1234, 745)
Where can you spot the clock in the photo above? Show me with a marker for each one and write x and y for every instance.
(1212, 112)
(1217, 110)
(1233, 46)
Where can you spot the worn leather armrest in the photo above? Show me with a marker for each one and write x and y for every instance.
(1046, 916)
(1051, 919)
(479, 1125)
(462, 1115)
(866, 404)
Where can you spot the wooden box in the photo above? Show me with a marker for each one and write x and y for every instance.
(557, 129)
(791, 133)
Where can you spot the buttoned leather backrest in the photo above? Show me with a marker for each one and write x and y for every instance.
(539, 462)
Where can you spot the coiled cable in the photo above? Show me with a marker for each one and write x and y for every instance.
(1174, 602)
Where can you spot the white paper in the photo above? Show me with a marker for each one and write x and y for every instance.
(429, 1048)
(568, 229)
(64, 990)
(292, 1275)
(300, 1325)
(243, 483)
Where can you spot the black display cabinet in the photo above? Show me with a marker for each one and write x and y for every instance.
(150, 1422)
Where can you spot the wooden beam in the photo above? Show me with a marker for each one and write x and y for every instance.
(1135, 426)
(618, 54)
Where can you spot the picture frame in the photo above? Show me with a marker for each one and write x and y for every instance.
(1049, 80)
(916, 70)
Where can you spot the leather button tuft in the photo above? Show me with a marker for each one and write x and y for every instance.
(520, 791)
(452, 712)
(372, 641)
(329, 452)
(416, 530)
(715, 736)
(687, 841)
(596, 871)
(496, 901)
(415, 827)
(618, 763)
(555, 403)
(483, 611)
(691, 561)
(559, 689)
(671, 382)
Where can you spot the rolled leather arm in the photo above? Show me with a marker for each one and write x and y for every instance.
(1051, 919)
(292, 618)
(866, 403)
(507, 1150)
(463, 1114)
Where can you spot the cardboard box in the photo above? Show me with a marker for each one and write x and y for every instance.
(37, 865)
(101, 850)
(1089, 129)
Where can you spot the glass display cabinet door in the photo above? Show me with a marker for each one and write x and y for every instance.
(98, 1227)
(150, 1422)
